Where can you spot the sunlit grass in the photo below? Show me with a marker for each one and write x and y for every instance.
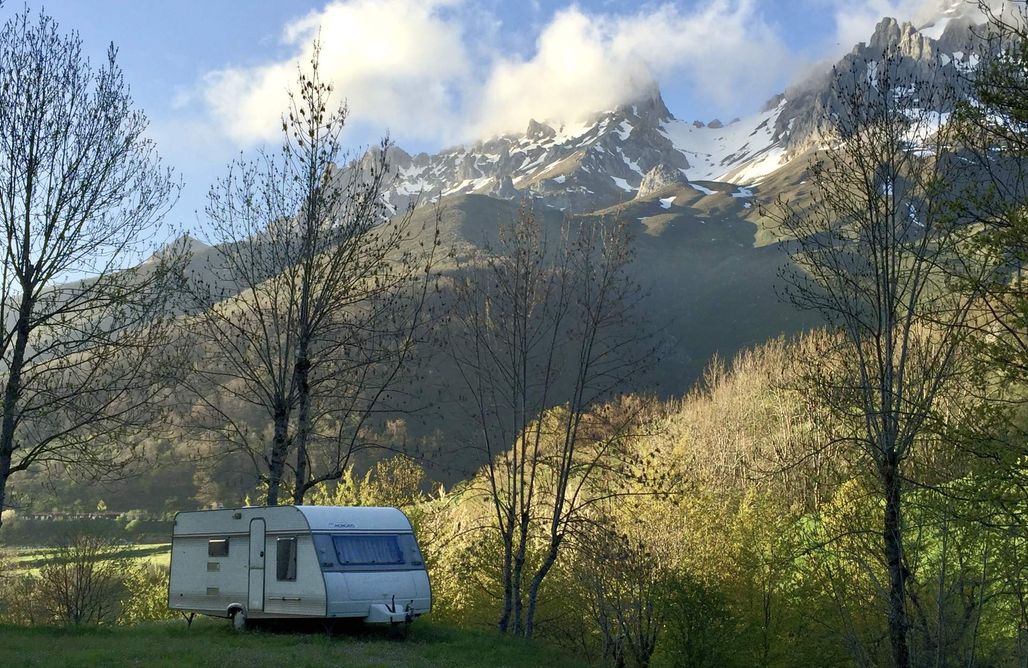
(27, 560)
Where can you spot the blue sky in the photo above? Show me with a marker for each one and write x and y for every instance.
(211, 74)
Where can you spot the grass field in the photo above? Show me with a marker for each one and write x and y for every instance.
(29, 559)
(211, 642)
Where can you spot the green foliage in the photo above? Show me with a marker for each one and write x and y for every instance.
(146, 594)
(763, 550)
(395, 481)
(701, 626)
(86, 580)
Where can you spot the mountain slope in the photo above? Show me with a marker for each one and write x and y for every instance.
(689, 193)
(591, 165)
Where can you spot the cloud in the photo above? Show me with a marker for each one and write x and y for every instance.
(429, 67)
(434, 70)
(588, 62)
(398, 62)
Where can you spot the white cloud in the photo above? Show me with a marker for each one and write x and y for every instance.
(431, 69)
(588, 62)
(398, 62)
(428, 66)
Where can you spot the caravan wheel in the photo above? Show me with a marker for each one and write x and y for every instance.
(238, 620)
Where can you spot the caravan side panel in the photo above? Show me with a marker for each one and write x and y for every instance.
(305, 594)
(210, 553)
(204, 583)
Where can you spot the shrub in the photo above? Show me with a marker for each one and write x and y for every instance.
(146, 594)
(82, 582)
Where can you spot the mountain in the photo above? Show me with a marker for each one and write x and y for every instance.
(607, 158)
(590, 165)
(946, 48)
(689, 192)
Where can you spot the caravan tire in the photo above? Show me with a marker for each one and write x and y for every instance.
(238, 620)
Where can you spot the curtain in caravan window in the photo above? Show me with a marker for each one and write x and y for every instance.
(368, 550)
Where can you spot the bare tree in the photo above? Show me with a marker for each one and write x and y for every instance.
(872, 251)
(82, 196)
(544, 320)
(82, 581)
(311, 305)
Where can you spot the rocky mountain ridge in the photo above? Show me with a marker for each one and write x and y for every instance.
(624, 153)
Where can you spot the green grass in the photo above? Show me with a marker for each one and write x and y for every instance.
(28, 560)
(211, 642)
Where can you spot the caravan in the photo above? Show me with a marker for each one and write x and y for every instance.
(298, 562)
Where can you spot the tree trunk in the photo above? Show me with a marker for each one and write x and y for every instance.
(279, 445)
(537, 580)
(5, 472)
(517, 576)
(12, 393)
(893, 543)
(303, 426)
(504, 623)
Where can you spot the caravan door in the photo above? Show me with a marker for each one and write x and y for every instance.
(256, 566)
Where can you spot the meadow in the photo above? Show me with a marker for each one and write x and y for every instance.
(211, 642)
(27, 560)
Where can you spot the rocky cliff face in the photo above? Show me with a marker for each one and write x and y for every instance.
(638, 148)
(912, 55)
(659, 179)
(583, 167)
(580, 167)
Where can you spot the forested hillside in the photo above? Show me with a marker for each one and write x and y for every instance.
(659, 393)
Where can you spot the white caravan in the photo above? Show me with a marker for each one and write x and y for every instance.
(298, 562)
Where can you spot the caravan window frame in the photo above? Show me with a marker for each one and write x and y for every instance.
(387, 543)
(218, 548)
(285, 561)
(328, 556)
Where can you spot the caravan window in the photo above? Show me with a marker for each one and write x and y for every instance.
(285, 562)
(217, 547)
(368, 550)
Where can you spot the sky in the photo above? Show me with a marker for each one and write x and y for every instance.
(212, 75)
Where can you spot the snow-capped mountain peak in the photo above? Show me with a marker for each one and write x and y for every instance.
(605, 159)
(594, 163)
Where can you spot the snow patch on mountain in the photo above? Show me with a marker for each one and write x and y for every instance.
(641, 148)
(621, 183)
(741, 152)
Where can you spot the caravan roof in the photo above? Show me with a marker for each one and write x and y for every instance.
(333, 518)
(292, 518)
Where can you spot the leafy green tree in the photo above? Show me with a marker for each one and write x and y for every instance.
(871, 252)
(994, 133)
